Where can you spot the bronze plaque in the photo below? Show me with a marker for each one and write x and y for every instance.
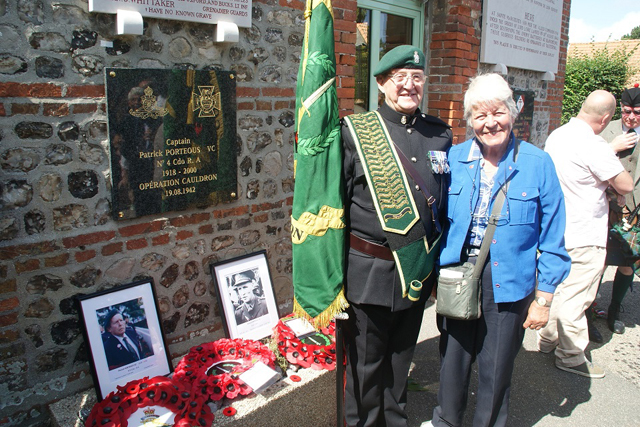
(172, 135)
(524, 101)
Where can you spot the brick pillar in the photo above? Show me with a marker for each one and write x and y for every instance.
(344, 14)
(453, 59)
(555, 89)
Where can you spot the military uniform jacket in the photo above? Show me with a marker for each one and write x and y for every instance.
(629, 162)
(371, 280)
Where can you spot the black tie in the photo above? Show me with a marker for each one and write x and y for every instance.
(628, 151)
(130, 347)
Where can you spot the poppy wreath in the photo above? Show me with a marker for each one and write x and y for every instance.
(317, 351)
(116, 408)
(197, 367)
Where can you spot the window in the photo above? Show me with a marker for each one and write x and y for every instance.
(381, 26)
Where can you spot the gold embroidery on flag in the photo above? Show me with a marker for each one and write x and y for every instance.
(316, 225)
(338, 305)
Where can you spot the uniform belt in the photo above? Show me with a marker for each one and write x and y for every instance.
(370, 248)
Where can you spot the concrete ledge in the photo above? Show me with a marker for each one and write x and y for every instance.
(310, 402)
(65, 412)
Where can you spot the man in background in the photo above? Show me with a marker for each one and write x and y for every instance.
(586, 167)
(622, 136)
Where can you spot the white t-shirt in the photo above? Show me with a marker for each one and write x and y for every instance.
(584, 164)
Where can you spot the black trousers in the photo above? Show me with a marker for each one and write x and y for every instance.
(379, 347)
(493, 341)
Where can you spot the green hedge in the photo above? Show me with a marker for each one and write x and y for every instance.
(603, 69)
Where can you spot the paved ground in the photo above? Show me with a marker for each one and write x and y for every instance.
(544, 396)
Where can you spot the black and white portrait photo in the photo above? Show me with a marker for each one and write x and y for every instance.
(248, 296)
(245, 293)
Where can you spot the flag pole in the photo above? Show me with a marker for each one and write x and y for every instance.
(340, 368)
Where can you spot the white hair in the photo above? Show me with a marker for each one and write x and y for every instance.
(488, 89)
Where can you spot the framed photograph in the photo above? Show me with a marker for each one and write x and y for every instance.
(245, 294)
(123, 332)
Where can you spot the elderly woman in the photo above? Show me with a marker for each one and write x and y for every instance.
(528, 244)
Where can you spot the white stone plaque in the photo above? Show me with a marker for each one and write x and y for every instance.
(206, 11)
(523, 34)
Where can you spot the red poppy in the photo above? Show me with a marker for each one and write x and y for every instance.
(305, 355)
(223, 382)
(229, 411)
(117, 407)
(295, 378)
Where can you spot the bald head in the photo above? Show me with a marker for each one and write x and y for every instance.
(598, 109)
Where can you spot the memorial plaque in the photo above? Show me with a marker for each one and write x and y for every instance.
(173, 142)
(206, 11)
(523, 34)
(524, 101)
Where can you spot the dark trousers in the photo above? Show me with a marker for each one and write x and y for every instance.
(493, 341)
(379, 347)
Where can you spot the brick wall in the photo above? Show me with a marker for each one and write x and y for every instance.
(54, 245)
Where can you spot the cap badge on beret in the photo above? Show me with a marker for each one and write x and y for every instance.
(403, 56)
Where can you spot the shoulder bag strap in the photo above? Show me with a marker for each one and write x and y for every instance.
(493, 221)
(488, 235)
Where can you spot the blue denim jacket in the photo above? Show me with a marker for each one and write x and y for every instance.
(529, 238)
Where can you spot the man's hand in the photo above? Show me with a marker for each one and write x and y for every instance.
(623, 142)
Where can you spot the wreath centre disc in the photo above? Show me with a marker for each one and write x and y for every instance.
(224, 367)
(317, 339)
(156, 416)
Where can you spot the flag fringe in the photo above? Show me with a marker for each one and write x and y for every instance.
(338, 305)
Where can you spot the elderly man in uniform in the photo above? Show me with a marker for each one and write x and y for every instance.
(396, 175)
(622, 136)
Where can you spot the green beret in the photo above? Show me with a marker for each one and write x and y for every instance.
(404, 56)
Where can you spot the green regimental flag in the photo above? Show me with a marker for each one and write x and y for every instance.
(318, 230)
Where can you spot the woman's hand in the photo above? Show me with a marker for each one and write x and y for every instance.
(538, 315)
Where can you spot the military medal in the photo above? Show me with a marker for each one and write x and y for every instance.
(439, 163)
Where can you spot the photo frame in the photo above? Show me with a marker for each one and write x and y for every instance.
(245, 296)
(124, 336)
